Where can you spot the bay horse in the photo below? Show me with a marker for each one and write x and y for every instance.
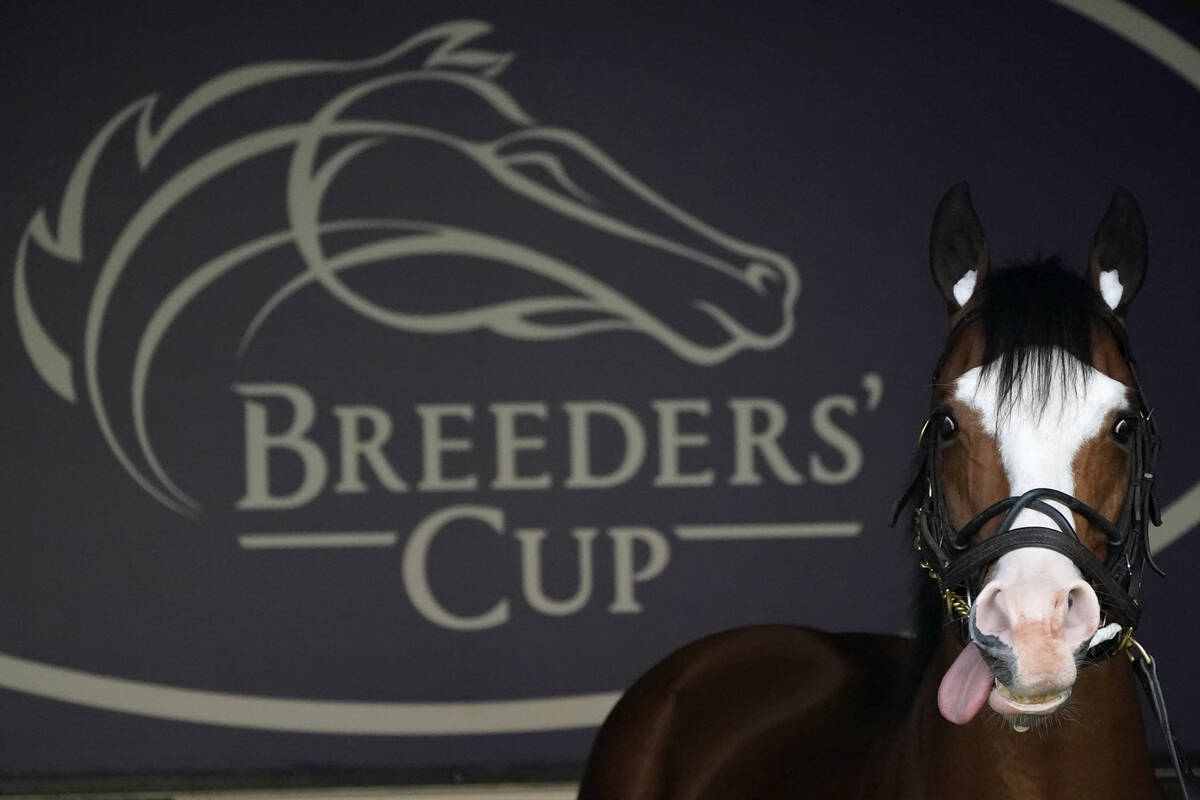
(1032, 503)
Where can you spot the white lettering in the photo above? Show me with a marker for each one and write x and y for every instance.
(369, 450)
(624, 573)
(633, 438)
(747, 440)
(416, 575)
(531, 572)
(260, 443)
(434, 444)
(604, 445)
(671, 441)
(508, 443)
(837, 438)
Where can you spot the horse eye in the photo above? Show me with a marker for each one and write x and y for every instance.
(1124, 429)
(947, 425)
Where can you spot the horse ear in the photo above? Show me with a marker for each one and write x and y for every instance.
(1117, 264)
(958, 252)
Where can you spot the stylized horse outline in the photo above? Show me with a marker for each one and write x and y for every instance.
(523, 161)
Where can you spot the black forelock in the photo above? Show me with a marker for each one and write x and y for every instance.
(1038, 321)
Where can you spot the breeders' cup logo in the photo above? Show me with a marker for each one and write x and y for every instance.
(280, 204)
(434, 99)
(408, 193)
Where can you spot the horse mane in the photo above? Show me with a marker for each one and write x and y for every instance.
(1038, 321)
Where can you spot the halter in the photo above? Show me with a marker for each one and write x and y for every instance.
(959, 568)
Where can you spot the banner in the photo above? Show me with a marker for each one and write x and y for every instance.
(388, 389)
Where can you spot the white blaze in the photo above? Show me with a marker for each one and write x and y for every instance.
(1039, 437)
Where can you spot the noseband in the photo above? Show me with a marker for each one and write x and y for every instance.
(960, 568)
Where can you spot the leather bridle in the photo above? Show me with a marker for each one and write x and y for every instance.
(959, 566)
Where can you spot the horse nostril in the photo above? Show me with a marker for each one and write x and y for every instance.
(991, 618)
(1083, 611)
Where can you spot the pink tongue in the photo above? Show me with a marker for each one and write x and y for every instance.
(965, 687)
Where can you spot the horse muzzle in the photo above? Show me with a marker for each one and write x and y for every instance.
(1029, 623)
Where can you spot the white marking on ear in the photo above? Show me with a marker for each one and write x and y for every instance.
(1110, 288)
(964, 288)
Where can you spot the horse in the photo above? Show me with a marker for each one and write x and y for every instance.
(1032, 501)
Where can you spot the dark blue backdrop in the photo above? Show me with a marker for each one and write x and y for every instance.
(512, 287)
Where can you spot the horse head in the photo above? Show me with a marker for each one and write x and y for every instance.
(1037, 414)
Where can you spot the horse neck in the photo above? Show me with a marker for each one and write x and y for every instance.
(1097, 749)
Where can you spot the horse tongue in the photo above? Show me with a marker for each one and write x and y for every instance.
(965, 687)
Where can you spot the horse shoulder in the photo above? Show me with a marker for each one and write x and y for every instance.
(748, 712)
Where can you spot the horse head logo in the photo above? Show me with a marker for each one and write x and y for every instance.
(457, 175)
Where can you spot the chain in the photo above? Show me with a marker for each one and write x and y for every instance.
(956, 606)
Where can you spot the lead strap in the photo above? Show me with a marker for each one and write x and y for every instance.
(1147, 672)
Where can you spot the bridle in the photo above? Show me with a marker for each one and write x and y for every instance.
(960, 568)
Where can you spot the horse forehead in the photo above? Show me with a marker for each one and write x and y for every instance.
(1038, 435)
